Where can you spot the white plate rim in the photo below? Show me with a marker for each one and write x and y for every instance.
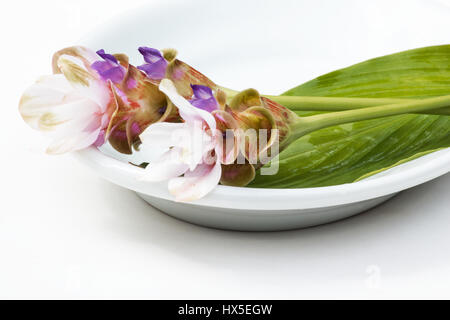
(391, 181)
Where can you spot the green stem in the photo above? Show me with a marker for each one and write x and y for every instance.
(307, 103)
(305, 125)
(312, 103)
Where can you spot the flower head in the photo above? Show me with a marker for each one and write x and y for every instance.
(73, 106)
(194, 148)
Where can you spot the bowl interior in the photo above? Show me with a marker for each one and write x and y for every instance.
(273, 47)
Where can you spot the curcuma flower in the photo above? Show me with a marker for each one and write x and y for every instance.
(194, 149)
(73, 106)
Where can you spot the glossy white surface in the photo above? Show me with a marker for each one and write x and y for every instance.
(66, 233)
(257, 219)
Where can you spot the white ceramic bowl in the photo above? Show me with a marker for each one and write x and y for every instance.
(272, 46)
(254, 209)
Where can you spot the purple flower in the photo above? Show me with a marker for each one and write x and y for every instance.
(109, 68)
(203, 98)
(156, 65)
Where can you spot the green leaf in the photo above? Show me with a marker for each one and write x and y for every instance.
(346, 153)
(414, 73)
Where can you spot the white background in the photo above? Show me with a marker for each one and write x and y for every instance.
(65, 233)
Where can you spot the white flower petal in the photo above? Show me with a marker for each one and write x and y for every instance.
(196, 184)
(168, 166)
(55, 82)
(52, 101)
(73, 143)
(53, 106)
(98, 92)
(157, 139)
(161, 134)
(196, 143)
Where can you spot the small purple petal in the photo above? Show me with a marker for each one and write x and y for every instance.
(100, 66)
(156, 70)
(203, 98)
(156, 65)
(150, 55)
(202, 92)
(205, 104)
(107, 56)
(109, 68)
(115, 74)
(109, 72)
